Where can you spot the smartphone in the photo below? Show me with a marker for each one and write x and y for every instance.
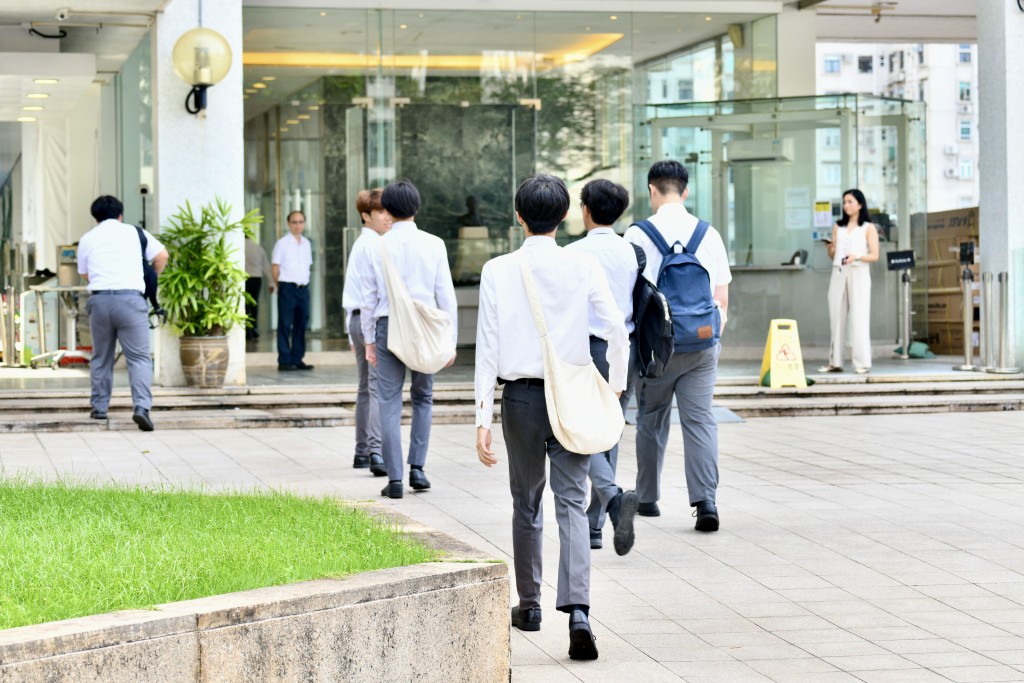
(826, 240)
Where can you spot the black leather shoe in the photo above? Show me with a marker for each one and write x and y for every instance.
(648, 510)
(303, 366)
(141, 418)
(596, 539)
(582, 643)
(418, 480)
(526, 619)
(285, 367)
(377, 465)
(361, 462)
(98, 414)
(393, 489)
(707, 516)
(624, 534)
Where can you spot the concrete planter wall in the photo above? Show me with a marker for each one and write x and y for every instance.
(445, 621)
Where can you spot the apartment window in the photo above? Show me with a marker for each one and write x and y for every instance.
(920, 54)
(965, 130)
(892, 62)
(965, 91)
(832, 64)
(920, 91)
(966, 168)
(831, 140)
(831, 174)
(965, 54)
(664, 90)
(866, 65)
(686, 90)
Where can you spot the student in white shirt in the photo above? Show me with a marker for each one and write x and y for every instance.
(508, 350)
(376, 222)
(422, 261)
(604, 202)
(110, 258)
(291, 262)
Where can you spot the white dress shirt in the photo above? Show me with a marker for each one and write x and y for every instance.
(422, 261)
(353, 295)
(110, 255)
(573, 289)
(618, 261)
(677, 224)
(294, 258)
(256, 263)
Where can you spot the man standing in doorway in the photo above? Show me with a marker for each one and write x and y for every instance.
(257, 269)
(110, 258)
(291, 263)
(689, 375)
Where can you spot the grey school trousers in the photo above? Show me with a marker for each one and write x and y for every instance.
(690, 377)
(367, 409)
(119, 318)
(390, 378)
(529, 442)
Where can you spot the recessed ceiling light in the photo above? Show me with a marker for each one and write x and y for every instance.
(26, 119)
(37, 96)
(259, 86)
(613, 18)
(707, 18)
(251, 91)
(303, 117)
(270, 78)
(403, 26)
(283, 129)
(32, 108)
(420, 15)
(314, 107)
(46, 81)
(292, 122)
(323, 14)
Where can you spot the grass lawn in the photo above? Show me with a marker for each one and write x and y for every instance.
(70, 551)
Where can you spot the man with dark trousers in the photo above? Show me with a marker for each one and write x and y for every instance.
(574, 292)
(110, 258)
(291, 263)
(421, 260)
(603, 203)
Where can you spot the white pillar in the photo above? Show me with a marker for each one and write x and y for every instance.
(1001, 139)
(796, 37)
(197, 158)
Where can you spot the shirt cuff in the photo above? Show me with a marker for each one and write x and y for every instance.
(485, 413)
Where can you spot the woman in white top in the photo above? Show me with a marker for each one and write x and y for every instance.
(854, 245)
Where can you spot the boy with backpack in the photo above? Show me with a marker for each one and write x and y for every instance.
(687, 260)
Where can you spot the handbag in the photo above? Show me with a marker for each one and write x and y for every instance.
(584, 412)
(418, 334)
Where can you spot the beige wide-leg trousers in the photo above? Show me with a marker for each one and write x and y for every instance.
(849, 294)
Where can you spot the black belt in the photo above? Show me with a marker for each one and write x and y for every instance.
(597, 339)
(527, 381)
(118, 291)
(295, 284)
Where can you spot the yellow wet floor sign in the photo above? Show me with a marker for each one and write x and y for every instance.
(782, 359)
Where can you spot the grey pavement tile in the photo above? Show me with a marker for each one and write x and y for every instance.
(921, 646)
(980, 674)
(936, 660)
(901, 676)
(777, 668)
(549, 673)
(817, 677)
(885, 662)
(629, 627)
(731, 671)
(1013, 658)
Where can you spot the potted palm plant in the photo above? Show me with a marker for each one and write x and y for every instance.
(202, 287)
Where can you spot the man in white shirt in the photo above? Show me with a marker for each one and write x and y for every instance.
(603, 204)
(421, 259)
(689, 376)
(376, 222)
(292, 261)
(257, 269)
(508, 350)
(110, 258)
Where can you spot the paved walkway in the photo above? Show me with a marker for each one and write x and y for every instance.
(883, 548)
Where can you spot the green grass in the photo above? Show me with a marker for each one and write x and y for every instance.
(68, 550)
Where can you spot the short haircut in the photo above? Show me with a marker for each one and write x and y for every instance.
(401, 199)
(292, 213)
(605, 200)
(368, 200)
(106, 207)
(668, 176)
(542, 202)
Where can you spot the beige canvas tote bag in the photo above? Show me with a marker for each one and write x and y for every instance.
(419, 334)
(584, 412)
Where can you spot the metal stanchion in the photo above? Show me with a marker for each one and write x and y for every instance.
(905, 278)
(966, 282)
(1004, 363)
(5, 339)
(987, 354)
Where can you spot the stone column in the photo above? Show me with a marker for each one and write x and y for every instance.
(197, 158)
(796, 37)
(1001, 139)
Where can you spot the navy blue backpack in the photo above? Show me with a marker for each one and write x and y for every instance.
(696, 321)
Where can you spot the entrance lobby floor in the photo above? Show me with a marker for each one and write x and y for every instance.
(869, 548)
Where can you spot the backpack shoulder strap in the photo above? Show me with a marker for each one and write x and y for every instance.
(641, 257)
(697, 237)
(143, 242)
(653, 233)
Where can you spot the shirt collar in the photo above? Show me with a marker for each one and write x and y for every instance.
(539, 241)
(403, 225)
(673, 209)
(605, 230)
(370, 232)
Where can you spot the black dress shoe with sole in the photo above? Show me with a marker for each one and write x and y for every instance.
(596, 539)
(624, 533)
(707, 516)
(141, 418)
(285, 367)
(98, 414)
(377, 465)
(526, 619)
(361, 462)
(418, 481)
(393, 489)
(582, 644)
(648, 510)
(303, 366)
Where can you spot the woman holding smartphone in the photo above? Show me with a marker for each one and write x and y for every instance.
(854, 245)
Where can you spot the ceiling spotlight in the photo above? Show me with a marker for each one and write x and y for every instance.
(613, 18)
(314, 107)
(323, 14)
(270, 78)
(26, 119)
(303, 117)
(707, 18)
(292, 122)
(37, 96)
(251, 91)
(259, 86)
(46, 81)
(403, 26)
(32, 108)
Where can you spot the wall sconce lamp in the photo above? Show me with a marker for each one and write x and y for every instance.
(202, 58)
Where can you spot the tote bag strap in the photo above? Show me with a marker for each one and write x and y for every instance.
(396, 287)
(534, 298)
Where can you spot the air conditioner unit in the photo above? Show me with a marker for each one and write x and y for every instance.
(847, 59)
(964, 108)
(950, 150)
(950, 173)
(760, 149)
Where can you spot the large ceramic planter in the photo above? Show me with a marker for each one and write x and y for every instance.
(204, 360)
